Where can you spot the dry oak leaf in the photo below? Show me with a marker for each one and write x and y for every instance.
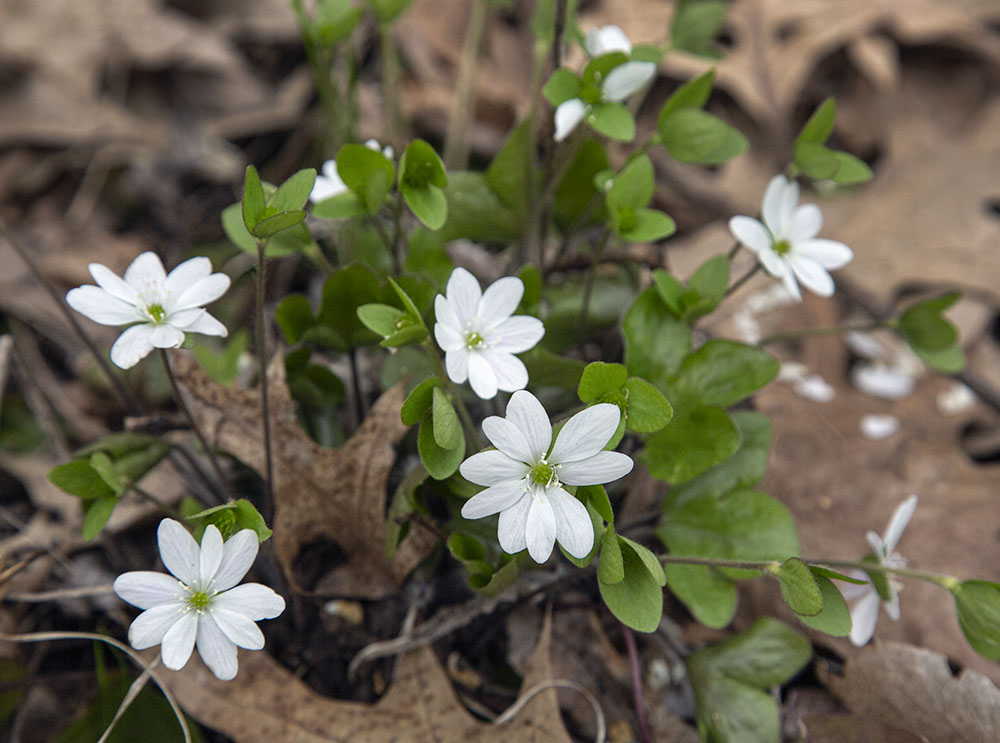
(266, 703)
(319, 493)
(916, 690)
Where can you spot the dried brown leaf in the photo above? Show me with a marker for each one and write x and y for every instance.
(319, 493)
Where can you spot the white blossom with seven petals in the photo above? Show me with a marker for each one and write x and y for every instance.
(524, 475)
(864, 613)
(200, 605)
(165, 306)
(329, 183)
(620, 83)
(479, 336)
(785, 242)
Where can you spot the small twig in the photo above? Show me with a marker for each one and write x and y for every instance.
(359, 403)
(743, 279)
(58, 594)
(130, 696)
(265, 410)
(600, 724)
(790, 335)
(633, 661)
(419, 518)
(734, 250)
(6, 344)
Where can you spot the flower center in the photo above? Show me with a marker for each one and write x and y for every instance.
(781, 247)
(156, 312)
(199, 601)
(543, 474)
(474, 340)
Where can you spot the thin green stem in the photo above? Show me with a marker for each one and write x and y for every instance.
(186, 412)
(321, 77)
(390, 245)
(471, 439)
(743, 279)
(265, 410)
(391, 72)
(456, 146)
(588, 285)
(790, 335)
(146, 495)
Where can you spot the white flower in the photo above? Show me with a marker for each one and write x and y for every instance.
(864, 614)
(524, 478)
(605, 40)
(879, 380)
(165, 306)
(329, 183)
(786, 244)
(478, 335)
(201, 605)
(879, 426)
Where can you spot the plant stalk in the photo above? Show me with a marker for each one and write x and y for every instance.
(265, 410)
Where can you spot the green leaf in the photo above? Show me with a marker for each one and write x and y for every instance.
(612, 120)
(408, 335)
(978, 605)
(647, 558)
(294, 317)
(253, 199)
(342, 206)
(441, 463)
(230, 518)
(851, 170)
(294, 192)
(576, 195)
(742, 470)
(421, 166)
(695, 136)
(834, 619)
(368, 173)
(709, 281)
(80, 479)
(634, 185)
(465, 547)
(695, 25)
(419, 401)
(767, 654)
(707, 593)
(533, 282)
(692, 94)
(597, 497)
(447, 429)
(101, 464)
(428, 203)
(815, 160)
(743, 525)
(404, 501)
(646, 409)
(950, 361)
(636, 600)
(294, 240)
(723, 372)
(388, 10)
(561, 86)
(599, 379)
(96, 513)
(380, 318)
(695, 439)
(270, 226)
(923, 326)
(820, 125)
(671, 291)
(335, 19)
(344, 291)
(547, 369)
(655, 341)
(223, 366)
(509, 174)
(476, 213)
(248, 517)
(799, 588)
(647, 225)
(611, 568)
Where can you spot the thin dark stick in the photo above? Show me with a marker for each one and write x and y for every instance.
(734, 250)
(265, 409)
(186, 412)
(633, 660)
(359, 406)
(743, 279)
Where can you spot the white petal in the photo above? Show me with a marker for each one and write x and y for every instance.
(100, 306)
(207, 325)
(780, 201)
(149, 627)
(238, 554)
(327, 185)
(892, 607)
(211, 555)
(626, 79)
(605, 466)
(863, 618)
(202, 292)
(179, 551)
(814, 387)
(217, 650)
(165, 336)
(751, 233)
(146, 589)
(132, 346)
(900, 518)
(146, 276)
(513, 524)
(463, 294)
(586, 433)
(568, 115)
(184, 276)
(445, 313)
(508, 438)
(518, 333)
(482, 378)
(791, 285)
(457, 364)
(830, 254)
(183, 319)
(492, 467)
(607, 39)
(500, 300)
(447, 337)
(525, 412)
(238, 628)
(574, 529)
(252, 600)
(540, 531)
(879, 380)
(178, 643)
(113, 284)
(494, 500)
(811, 275)
(510, 371)
(879, 426)
(807, 221)
(773, 263)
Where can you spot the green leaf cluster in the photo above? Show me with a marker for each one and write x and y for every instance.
(631, 581)
(704, 290)
(265, 215)
(644, 408)
(931, 335)
(811, 156)
(229, 518)
(692, 135)
(695, 26)
(332, 22)
(440, 440)
(626, 200)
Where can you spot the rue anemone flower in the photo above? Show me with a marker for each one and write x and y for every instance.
(864, 613)
(329, 183)
(200, 604)
(479, 335)
(524, 476)
(159, 307)
(786, 244)
(620, 82)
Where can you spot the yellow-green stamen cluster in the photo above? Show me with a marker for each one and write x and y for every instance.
(199, 601)
(542, 474)
(474, 340)
(781, 247)
(156, 312)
